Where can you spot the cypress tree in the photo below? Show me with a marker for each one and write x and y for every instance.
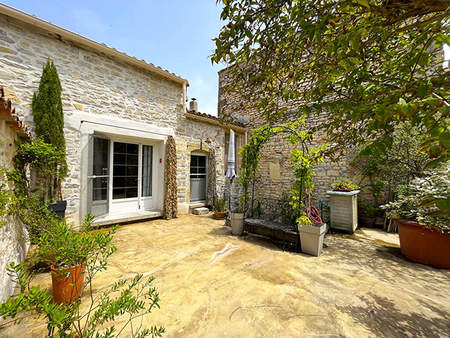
(49, 117)
(47, 108)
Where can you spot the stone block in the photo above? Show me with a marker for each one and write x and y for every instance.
(200, 211)
(274, 170)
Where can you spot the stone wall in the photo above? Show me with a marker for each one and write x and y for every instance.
(276, 176)
(98, 84)
(13, 235)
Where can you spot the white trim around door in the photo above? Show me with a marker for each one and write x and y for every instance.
(127, 199)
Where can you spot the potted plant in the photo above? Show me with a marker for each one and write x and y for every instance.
(129, 299)
(344, 205)
(69, 254)
(48, 119)
(367, 215)
(219, 208)
(311, 235)
(422, 214)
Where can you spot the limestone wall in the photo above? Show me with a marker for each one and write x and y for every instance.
(13, 235)
(97, 84)
(276, 175)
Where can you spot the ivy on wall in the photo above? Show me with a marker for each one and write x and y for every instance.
(170, 180)
(303, 157)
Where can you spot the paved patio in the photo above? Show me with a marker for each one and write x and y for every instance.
(212, 284)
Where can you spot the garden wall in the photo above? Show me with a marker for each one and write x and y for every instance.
(13, 235)
(276, 176)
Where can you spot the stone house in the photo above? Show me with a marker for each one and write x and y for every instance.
(119, 112)
(276, 177)
(13, 235)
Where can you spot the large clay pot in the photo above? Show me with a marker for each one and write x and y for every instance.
(424, 245)
(67, 283)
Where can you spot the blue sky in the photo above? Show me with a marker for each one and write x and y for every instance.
(173, 34)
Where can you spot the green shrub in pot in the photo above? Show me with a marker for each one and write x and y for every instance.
(63, 247)
(72, 255)
(219, 204)
(425, 200)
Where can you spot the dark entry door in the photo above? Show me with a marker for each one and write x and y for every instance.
(198, 178)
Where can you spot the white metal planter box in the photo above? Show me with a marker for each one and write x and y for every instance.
(311, 238)
(344, 210)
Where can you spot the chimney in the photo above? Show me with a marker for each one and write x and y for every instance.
(193, 105)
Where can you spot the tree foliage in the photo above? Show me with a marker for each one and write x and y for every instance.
(387, 171)
(369, 63)
(49, 118)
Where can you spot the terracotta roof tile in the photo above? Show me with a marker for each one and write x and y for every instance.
(215, 118)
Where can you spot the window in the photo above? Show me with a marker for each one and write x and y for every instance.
(147, 156)
(125, 170)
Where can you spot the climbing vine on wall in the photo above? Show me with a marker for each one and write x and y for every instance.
(304, 158)
(170, 180)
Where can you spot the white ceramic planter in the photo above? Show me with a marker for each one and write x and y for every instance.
(344, 210)
(237, 223)
(311, 238)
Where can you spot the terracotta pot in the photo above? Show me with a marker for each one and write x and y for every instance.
(67, 283)
(220, 214)
(424, 245)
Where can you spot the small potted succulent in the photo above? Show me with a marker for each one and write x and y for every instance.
(219, 207)
(344, 205)
(69, 253)
(422, 214)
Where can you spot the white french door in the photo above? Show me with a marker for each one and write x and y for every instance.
(122, 177)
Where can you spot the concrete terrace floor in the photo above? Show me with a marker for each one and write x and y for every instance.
(213, 284)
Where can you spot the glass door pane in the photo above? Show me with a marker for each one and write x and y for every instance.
(100, 169)
(99, 178)
(147, 157)
(198, 178)
(125, 170)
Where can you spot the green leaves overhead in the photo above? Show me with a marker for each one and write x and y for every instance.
(368, 63)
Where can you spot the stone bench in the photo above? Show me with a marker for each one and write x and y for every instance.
(273, 230)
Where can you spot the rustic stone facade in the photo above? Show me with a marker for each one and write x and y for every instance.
(170, 180)
(276, 176)
(100, 85)
(14, 242)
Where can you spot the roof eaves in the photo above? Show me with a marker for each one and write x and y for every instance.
(8, 113)
(214, 120)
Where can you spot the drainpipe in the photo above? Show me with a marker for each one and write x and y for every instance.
(184, 96)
